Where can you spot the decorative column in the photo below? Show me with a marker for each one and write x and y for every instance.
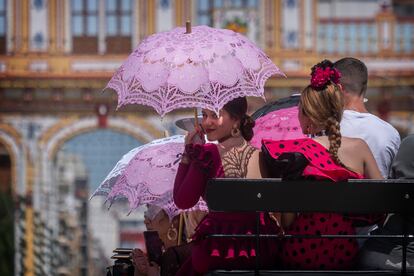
(20, 26)
(272, 13)
(385, 27)
(52, 27)
(151, 16)
(10, 32)
(101, 27)
(67, 39)
(146, 10)
(183, 12)
(60, 26)
(29, 215)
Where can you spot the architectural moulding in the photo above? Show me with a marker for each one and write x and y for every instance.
(54, 137)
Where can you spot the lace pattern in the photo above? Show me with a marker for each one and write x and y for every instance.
(236, 160)
(206, 68)
(148, 176)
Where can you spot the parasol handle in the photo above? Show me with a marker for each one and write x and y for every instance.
(188, 27)
(195, 118)
(180, 228)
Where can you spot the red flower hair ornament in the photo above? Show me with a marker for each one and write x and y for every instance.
(321, 77)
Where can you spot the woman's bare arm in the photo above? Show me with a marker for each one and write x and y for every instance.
(253, 167)
(371, 170)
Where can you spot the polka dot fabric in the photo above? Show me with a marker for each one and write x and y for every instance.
(316, 253)
(321, 166)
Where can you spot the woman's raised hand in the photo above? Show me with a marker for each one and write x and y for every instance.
(140, 262)
(195, 136)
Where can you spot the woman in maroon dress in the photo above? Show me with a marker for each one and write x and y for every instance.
(324, 156)
(231, 157)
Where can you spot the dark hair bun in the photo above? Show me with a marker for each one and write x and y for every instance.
(246, 127)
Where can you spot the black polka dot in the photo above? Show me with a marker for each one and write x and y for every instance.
(296, 143)
(348, 253)
(302, 250)
(335, 224)
(325, 252)
(281, 146)
(313, 246)
(300, 240)
(317, 232)
(306, 227)
(303, 149)
(308, 146)
(322, 220)
(329, 162)
(322, 153)
(310, 159)
(322, 165)
(294, 253)
(314, 145)
(316, 155)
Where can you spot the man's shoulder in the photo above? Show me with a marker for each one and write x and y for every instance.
(369, 126)
(369, 121)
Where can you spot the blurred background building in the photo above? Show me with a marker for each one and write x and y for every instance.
(60, 136)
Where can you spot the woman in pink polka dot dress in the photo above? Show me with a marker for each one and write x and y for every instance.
(325, 156)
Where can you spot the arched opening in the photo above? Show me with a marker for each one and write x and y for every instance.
(6, 214)
(87, 232)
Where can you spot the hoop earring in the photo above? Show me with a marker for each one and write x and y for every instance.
(235, 132)
(172, 234)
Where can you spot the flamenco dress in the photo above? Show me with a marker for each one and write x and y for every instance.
(307, 159)
(219, 253)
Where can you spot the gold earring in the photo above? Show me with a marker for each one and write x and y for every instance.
(235, 132)
(172, 233)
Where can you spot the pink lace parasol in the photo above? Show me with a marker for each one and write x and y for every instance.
(146, 175)
(282, 124)
(206, 68)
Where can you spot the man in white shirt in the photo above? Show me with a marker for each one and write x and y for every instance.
(382, 138)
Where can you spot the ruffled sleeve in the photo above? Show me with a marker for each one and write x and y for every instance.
(201, 157)
(191, 179)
